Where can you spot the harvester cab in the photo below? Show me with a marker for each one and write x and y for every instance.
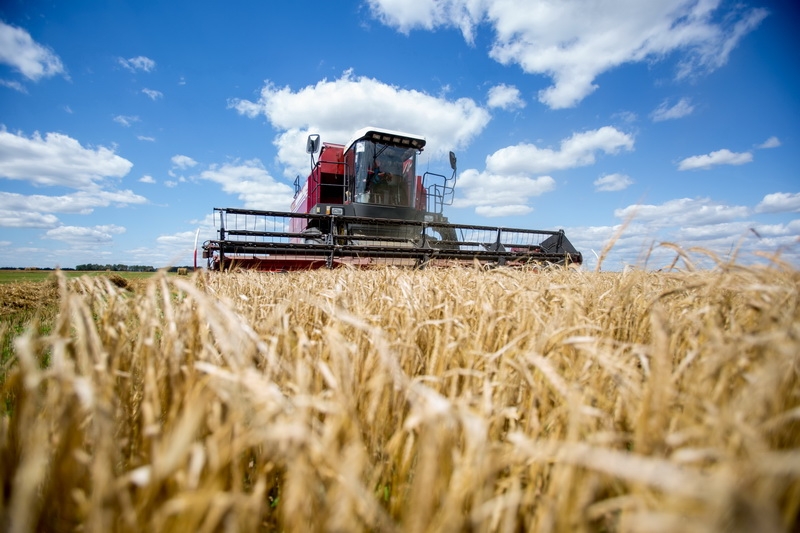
(364, 204)
(373, 175)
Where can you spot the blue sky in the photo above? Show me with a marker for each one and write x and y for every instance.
(122, 124)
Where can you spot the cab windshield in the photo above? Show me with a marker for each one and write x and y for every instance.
(384, 174)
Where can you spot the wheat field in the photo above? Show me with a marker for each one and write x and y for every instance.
(401, 400)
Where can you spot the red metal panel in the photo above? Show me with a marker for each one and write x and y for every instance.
(330, 162)
(422, 196)
(331, 158)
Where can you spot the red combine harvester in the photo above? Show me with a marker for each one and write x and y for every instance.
(364, 204)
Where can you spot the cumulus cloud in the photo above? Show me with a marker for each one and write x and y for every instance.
(81, 202)
(612, 182)
(57, 160)
(147, 179)
(505, 97)
(26, 219)
(695, 222)
(579, 150)
(683, 212)
(495, 195)
(574, 41)
(83, 236)
(181, 239)
(325, 108)
(183, 161)
(31, 59)
(429, 14)
(252, 183)
(513, 174)
(665, 111)
(729, 231)
(720, 157)
(142, 63)
(60, 161)
(491, 211)
(772, 142)
(779, 202)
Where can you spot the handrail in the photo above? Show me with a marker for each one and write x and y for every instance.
(439, 194)
(319, 184)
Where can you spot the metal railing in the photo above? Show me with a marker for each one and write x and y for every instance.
(266, 237)
(440, 192)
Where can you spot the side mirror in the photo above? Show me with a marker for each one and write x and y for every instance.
(312, 144)
(452, 160)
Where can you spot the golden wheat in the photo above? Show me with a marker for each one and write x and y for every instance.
(401, 400)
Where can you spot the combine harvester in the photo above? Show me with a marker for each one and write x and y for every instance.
(364, 204)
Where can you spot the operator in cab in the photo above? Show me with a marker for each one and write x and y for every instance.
(386, 183)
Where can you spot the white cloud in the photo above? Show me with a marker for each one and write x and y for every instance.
(146, 138)
(508, 181)
(252, 183)
(505, 97)
(30, 58)
(180, 239)
(682, 212)
(26, 219)
(639, 242)
(147, 179)
(576, 151)
(153, 94)
(176, 248)
(772, 142)
(779, 202)
(718, 41)
(628, 117)
(720, 157)
(698, 235)
(17, 86)
(499, 195)
(574, 41)
(170, 184)
(492, 211)
(138, 63)
(429, 14)
(681, 109)
(183, 161)
(126, 120)
(57, 160)
(612, 182)
(325, 108)
(81, 202)
(79, 235)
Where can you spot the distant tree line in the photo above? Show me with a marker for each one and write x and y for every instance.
(92, 267)
(34, 268)
(116, 268)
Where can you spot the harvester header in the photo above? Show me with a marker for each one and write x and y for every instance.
(363, 204)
